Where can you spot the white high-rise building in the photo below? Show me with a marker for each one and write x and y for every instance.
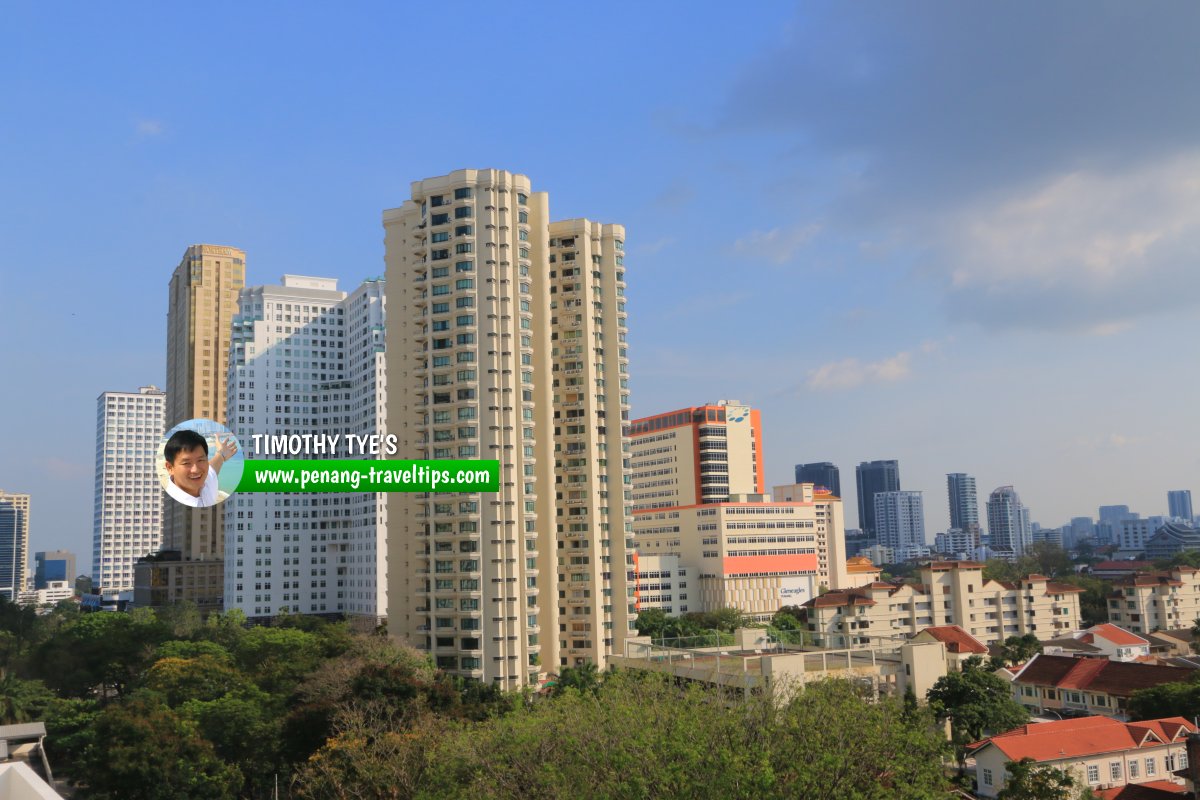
(1008, 522)
(507, 342)
(900, 522)
(14, 543)
(127, 516)
(307, 358)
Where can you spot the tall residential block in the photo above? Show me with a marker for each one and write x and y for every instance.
(824, 474)
(14, 543)
(696, 455)
(307, 359)
(202, 300)
(873, 477)
(53, 565)
(1008, 522)
(1179, 504)
(964, 502)
(900, 523)
(127, 511)
(506, 340)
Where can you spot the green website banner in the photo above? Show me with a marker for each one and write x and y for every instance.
(332, 475)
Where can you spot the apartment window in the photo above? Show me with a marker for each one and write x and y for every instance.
(464, 283)
(440, 236)
(1114, 770)
(522, 199)
(463, 194)
(1093, 773)
(464, 266)
(987, 777)
(463, 212)
(1133, 768)
(1151, 768)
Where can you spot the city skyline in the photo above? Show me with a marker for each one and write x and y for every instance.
(942, 308)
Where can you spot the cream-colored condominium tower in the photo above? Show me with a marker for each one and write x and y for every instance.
(307, 359)
(127, 522)
(203, 297)
(506, 341)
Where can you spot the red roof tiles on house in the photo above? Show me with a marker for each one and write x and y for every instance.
(1070, 739)
(1150, 790)
(1116, 678)
(956, 639)
(1117, 635)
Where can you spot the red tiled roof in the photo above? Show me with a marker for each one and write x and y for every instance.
(1149, 579)
(939, 565)
(1116, 678)
(1108, 566)
(1082, 674)
(1115, 634)
(956, 639)
(1087, 736)
(1062, 588)
(1150, 790)
(834, 599)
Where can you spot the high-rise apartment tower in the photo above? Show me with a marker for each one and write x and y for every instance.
(507, 341)
(873, 477)
(202, 300)
(127, 512)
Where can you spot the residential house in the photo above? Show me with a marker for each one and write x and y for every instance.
(1087, 686)
(1101, 753)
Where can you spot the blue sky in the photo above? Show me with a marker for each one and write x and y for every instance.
(963, 236)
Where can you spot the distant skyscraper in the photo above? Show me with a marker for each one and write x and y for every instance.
(1008, 521)
(1108, 529)
(873, 477)
(127, 516)
(900, 521)
(1179, 504)
(53, 565)
(14, 543)
(822, 474)
(328, 556)
(202, 299)
(964, 503)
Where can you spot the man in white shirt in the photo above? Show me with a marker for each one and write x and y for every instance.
(192, 477)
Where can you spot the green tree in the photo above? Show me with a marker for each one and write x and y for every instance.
(376, 751)
(142, 751)
(204, 677)
(584, 678)
(1167, 700)
(997, 569)
(23, 701)
(99, 651)
(1017, 650)
(976, 702)
(244, 728)
(825, 742)
(1029, 780)
(1093, 603)
(1045, 558)
(651, 622)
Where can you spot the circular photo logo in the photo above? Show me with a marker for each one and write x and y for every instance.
(200, 463)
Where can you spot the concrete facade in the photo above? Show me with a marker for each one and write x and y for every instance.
(307, 358)
(127, 516)
(487, 359)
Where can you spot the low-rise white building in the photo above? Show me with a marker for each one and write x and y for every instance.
(1101, 753)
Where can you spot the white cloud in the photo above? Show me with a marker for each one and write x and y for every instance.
(1090, 250)
(149, 127)
(778, 245)
(850, 373)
